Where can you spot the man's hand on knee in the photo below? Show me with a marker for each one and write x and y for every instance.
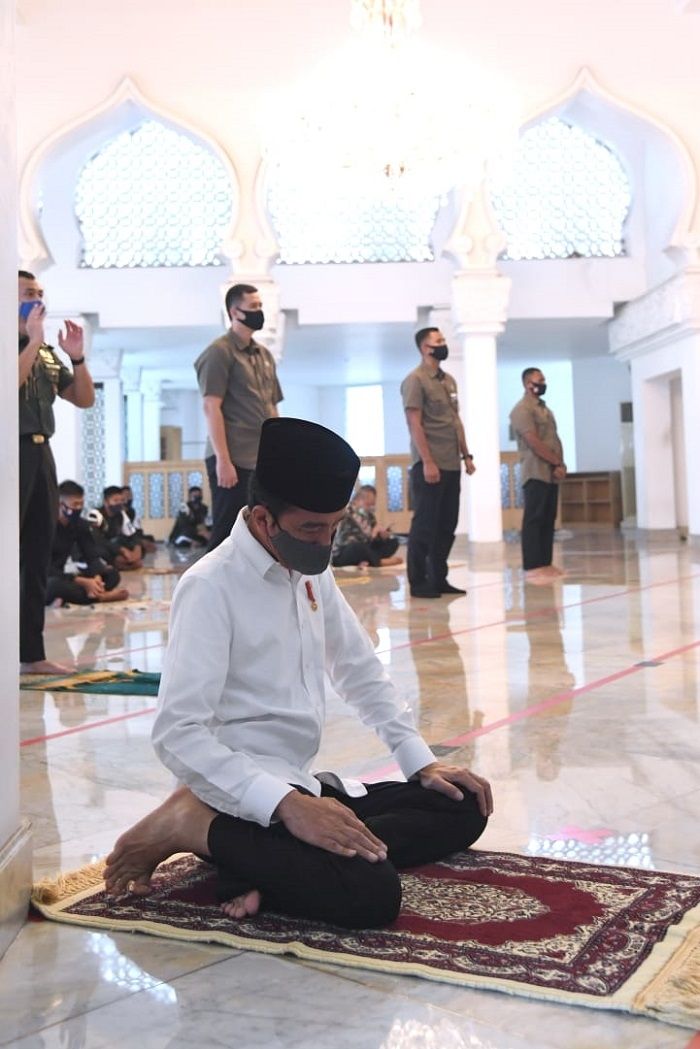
(329, 825)
(447, 779)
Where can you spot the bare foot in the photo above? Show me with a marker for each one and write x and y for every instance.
(243, 906)
(114, 595)
(548, 571)
(395, 560)
(538, 577)
(44, 666)
(180, 824)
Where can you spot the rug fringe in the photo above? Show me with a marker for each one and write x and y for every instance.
(675, 994)
(54, 890)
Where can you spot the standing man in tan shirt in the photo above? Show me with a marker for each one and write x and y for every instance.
(543, 468)
(238, 382)
(437, 445)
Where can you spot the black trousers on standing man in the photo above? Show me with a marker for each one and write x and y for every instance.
(38, 512)
(537, 533)
(226, 503)
(435, 513)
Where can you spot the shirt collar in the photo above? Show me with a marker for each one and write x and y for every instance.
(254, 552)
(439, 374)
(252, 348)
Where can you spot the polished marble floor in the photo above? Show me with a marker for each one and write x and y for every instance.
(579, 700)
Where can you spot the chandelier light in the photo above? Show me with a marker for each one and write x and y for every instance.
(388, 109)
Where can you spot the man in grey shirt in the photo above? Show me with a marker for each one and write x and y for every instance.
(238, 382)
(437, 445)
(542, 466)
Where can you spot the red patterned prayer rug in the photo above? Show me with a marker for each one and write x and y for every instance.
(605, 937)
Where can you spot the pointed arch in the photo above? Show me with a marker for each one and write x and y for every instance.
(616, 121)
(123, 108)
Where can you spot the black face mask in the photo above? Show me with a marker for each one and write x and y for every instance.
(70, 514)
(253, 319)
(305, 558)
(539, 388)
(113, 511)
(440, 353)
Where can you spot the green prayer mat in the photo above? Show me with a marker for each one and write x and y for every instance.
(114, 682)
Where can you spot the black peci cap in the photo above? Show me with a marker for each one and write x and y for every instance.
(306, 465)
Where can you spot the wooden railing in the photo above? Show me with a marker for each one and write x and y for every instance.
(511, 491)
(160, 488)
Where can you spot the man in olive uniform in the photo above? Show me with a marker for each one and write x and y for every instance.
(542, 471)
(438, 443)
(42, 377)
(238, 382)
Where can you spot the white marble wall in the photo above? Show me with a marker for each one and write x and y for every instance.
(15, 857)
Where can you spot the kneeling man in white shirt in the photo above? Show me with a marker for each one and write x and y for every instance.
(257, 627)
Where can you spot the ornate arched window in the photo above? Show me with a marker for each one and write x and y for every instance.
(349, 221)
(153, 196)
(565, 196)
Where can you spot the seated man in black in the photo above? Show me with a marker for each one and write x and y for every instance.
(148, 542)
(119, 530)
(190, 524)
(93, 579)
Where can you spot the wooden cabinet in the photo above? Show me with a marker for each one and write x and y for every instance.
(591, 499)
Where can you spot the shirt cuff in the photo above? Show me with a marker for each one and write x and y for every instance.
(262, 798)
(412, 755)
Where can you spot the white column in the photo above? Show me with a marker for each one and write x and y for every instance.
(690, 375)
(479, 310)
(479, 307)
(131, 385)
(659, 335)
(150, 389)
(105, 368)
(15, 834)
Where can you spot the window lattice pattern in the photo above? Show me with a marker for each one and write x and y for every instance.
(137, 487)
(566, 196)
(92, 449)
(176, 495)
(505, 487)
(394, 488)
(156, 495)
(518, 481)
(153, 197)
(350, 222)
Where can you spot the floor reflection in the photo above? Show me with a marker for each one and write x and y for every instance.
(557, 694)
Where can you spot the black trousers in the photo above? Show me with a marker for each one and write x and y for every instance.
(537, 532)
(38, 511)
(371, 552)
(432, 533)
(72, 593)
(418, 826)
(226, 503)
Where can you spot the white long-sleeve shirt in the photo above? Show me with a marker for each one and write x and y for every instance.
(241, 703)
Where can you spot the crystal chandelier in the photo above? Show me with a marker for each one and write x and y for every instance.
(390, 20)
(389, 109)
